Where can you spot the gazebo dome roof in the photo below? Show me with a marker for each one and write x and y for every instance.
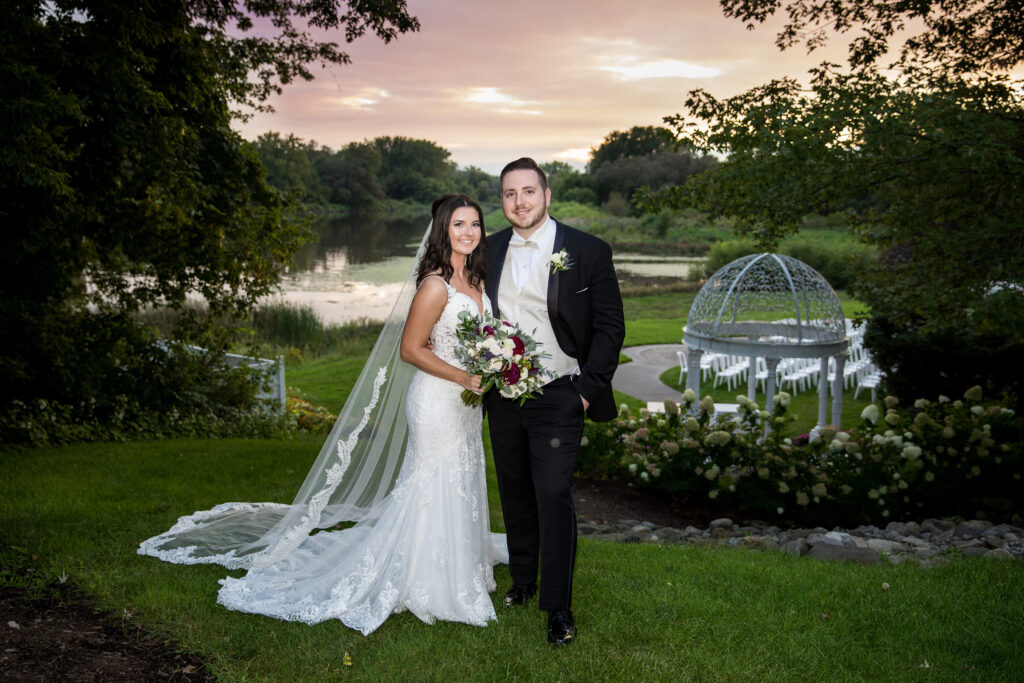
(771, 300)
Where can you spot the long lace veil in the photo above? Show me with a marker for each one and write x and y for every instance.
(357, 466)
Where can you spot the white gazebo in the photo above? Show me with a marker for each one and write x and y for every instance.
(771, 307)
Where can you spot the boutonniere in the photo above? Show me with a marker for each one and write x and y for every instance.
(560, 261)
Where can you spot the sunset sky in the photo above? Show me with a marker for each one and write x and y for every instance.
(493, 81)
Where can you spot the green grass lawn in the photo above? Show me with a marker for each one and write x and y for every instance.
(659, 318)
(645, 612)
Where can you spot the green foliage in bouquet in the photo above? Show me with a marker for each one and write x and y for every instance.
(938, 457)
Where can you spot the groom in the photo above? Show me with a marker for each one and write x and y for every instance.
(574, 310)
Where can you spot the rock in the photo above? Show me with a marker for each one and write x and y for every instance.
(971, 528)
(1011, 538)
(894, 531)
(830, 538)
(799, 533)
(881, 545)
(720, 528)
(759, 542)
(898, 528)
(1000, 554)
(976, 551)
(796, 547)
(640, 528)
(692, 531)
(840, 553)
(937, 526)
(628, 522)
(649, 525)
(925, 553)
(994, 542)
(916, 542)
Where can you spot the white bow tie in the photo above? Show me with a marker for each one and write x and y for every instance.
(524, 243)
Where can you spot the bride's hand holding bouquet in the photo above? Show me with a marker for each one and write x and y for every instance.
(502, 354)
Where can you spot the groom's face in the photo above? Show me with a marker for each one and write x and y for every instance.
(523, 199)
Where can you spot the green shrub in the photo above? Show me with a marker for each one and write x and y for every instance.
(989, 353)
(936, 458)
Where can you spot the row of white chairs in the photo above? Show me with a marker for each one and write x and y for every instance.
(791, 374)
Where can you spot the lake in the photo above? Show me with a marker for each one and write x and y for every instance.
(357, 265)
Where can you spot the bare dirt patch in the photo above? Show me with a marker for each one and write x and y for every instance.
(63, 638)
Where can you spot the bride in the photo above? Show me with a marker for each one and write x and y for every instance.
(422, 540)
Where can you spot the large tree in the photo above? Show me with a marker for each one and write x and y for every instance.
(638, 141)
(414, 169)
(122, 183)
(928, 150)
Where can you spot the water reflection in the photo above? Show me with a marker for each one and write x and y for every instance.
(355, 239)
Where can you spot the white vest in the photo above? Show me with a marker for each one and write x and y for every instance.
(529, 309)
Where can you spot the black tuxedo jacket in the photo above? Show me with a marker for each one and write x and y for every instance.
(585, 309)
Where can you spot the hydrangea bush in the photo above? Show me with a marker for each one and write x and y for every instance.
(938, 457)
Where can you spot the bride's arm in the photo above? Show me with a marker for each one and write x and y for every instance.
(426, 309)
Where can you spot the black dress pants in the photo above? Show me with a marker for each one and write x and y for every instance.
(535, 447)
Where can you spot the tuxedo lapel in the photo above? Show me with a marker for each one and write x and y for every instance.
(500, 246)
(553, 277)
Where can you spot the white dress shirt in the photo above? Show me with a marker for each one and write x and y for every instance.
(524, 254)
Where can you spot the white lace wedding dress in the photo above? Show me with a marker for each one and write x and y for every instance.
(426, 547)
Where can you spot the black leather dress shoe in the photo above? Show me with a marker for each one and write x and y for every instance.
(561, 627)
(519, 593)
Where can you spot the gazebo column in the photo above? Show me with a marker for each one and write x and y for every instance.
(769, 401)
(693, 374)
(822, 394)
(752, 378)
(837, 389)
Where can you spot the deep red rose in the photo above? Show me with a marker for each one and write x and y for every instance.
(511, 374)
(519, 347)
(488, 330)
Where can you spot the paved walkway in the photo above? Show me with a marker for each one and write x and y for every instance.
(639, 378)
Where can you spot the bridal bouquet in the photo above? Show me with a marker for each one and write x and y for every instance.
(499, 351)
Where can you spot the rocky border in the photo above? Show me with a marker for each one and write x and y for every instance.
(931, 541)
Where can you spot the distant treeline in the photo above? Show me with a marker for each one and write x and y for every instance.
(362, 175)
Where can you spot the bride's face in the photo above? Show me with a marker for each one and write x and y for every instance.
(464, 230)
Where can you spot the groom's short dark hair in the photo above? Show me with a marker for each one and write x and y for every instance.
(525, 164)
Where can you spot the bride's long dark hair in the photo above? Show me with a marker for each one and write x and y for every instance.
(438, 254)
